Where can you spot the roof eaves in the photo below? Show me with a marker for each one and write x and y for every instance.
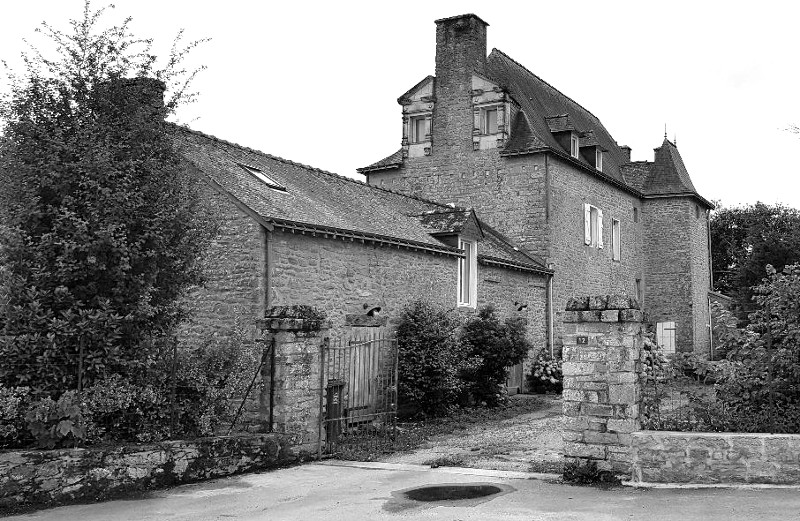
(378, 168)
(695, 195)
(504, 263)
(363, 236)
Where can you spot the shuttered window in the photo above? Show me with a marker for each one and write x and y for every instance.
(616, 248)
(592, 226)
(665, 337)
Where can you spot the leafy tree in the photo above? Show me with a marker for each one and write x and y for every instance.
(101, 228)
(761, 390)
(744, 240)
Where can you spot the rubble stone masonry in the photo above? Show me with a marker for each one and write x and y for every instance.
(601, 367)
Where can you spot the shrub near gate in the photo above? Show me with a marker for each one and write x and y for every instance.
(430, 358)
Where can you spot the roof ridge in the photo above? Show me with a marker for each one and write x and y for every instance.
(307, 167)
(547, 83)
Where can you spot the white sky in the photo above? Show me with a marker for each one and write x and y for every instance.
(317, 82)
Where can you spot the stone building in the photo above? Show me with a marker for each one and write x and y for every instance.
(291, 234)
(486, 133)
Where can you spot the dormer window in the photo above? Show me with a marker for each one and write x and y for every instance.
(420, 129)
(598, 161)
(574, 145)
(489, 121)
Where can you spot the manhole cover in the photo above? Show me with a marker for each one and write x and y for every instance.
(451, 492)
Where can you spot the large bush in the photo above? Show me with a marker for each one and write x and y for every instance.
(494, 346)
(101, 228)
(430, 358)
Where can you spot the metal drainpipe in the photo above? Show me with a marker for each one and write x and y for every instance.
(550, 314)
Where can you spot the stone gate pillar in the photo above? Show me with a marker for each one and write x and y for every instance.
(291, 389)
(602, 363)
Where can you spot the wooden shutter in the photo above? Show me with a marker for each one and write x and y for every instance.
(587, 223)
(599, 228)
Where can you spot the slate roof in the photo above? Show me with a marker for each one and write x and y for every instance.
(392, 161)
(544, 105)
(317, 200)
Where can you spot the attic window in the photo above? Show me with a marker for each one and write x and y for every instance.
(598, 159)
(420, 129)
(489, 121)
(261, 176)
(574, 145)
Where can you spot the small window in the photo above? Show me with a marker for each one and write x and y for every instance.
(489, 121)
(593, 226)
(616, 248)
(467, 274)
(665, 337)
(574, 145)
(636, 215)
(264, 178)
(420, 129)
(639, 290)
(697, 211)
(598, 159)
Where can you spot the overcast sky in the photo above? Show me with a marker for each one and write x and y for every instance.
(317, 82)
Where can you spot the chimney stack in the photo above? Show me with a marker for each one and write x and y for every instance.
(460, 51)
(626, 153)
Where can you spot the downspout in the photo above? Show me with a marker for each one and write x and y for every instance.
(549, 312)
(710, 287)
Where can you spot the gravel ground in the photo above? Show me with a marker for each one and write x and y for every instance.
(530, 442)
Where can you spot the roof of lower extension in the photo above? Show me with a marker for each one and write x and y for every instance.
(315, 200)
(388, 162)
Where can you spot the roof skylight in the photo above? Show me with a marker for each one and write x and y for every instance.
(261, 176)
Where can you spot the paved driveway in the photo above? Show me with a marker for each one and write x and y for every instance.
(328, 492)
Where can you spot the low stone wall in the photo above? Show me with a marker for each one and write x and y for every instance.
(713, 457)
(46, 477)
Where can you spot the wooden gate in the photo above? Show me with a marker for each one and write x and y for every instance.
(359, 400)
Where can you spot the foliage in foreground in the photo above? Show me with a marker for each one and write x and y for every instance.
(101, 228)
(443, 362)
(494, 346)
(430, 358)
(756, 388)
(117, 409)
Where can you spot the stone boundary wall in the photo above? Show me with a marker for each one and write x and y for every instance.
(46, 477)
(715, 457)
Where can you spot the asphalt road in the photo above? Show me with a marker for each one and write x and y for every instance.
(330, 491)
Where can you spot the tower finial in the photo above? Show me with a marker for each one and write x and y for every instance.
(675, 139)
(665, 131)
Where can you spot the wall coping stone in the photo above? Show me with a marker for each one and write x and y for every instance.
(602, 302)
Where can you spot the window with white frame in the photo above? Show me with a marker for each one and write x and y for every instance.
(616, 248)
(598, 159)
(574, 145)
(468, 273)
(592, 226)
(420, 129)
(665, 337)
(489, 121)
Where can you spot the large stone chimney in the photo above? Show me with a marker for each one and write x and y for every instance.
(460, 51)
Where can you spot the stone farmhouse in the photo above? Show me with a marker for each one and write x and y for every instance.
(504, 192)
(486, 133)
